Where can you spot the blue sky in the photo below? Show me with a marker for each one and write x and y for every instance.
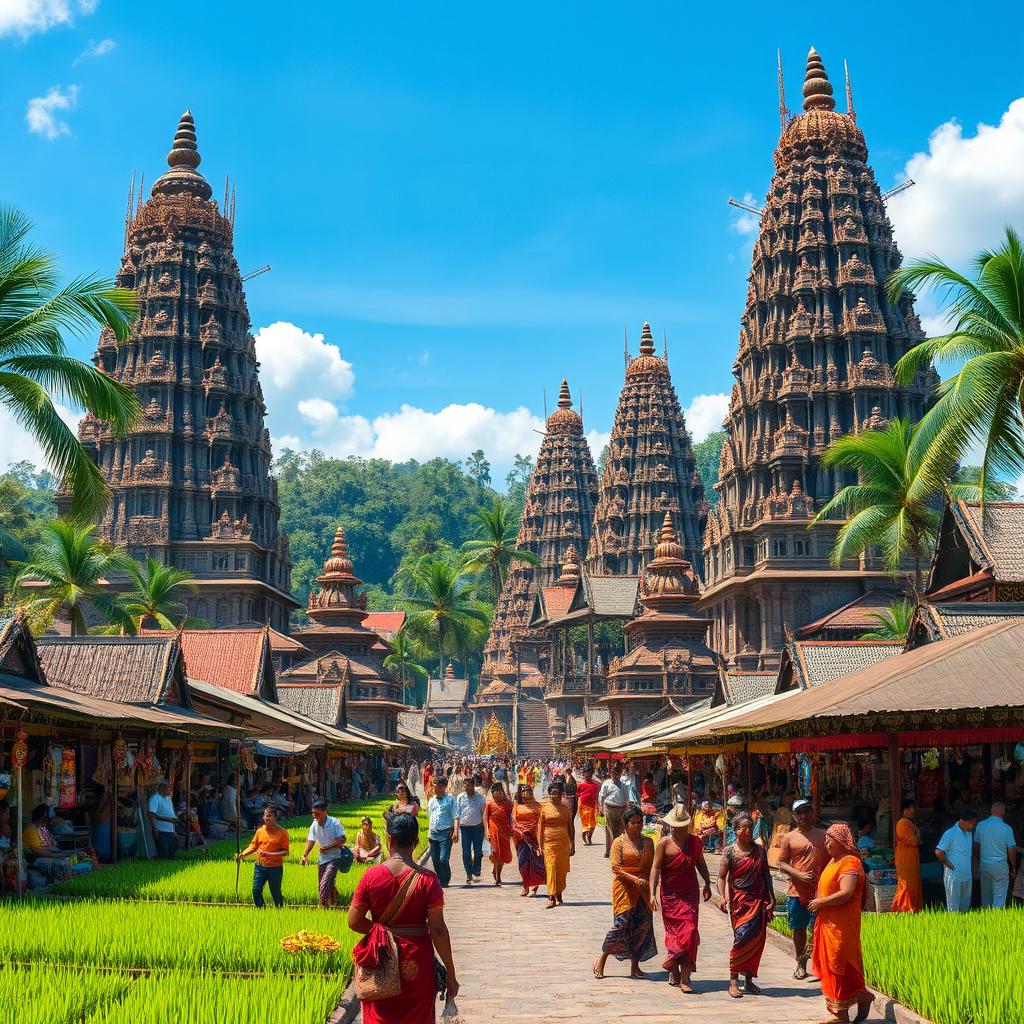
(463, 203)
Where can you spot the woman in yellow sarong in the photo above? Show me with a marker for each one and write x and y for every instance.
(556, 837)
(908, 861)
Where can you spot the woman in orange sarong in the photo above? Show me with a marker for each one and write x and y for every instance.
(498, 830)
(908, 862)
(556, 837)
(838, 960)
(525, 815)
(428, 782)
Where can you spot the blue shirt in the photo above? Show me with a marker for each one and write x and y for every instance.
(442, 814)
(958, 847)
(994, 838)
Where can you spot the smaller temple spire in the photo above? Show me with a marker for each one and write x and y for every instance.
(646, 341)
(182, 177)
(817, 87)
(564, 400)
(783, 109)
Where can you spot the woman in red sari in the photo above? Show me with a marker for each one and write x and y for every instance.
(748, 897)
(837, 953)
(417, 923)
(498, 830)
(677, 860)
(586, 793)
(525, 815)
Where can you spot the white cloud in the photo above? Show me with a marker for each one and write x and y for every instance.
(26, 17)
(42, 112)
(967, 188)
(704, 415)
(19, 444)
(95, 50)
(743, 222)
(597, 439)
(289, 357)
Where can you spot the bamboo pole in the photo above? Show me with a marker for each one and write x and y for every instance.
(114, 834)
(21, 841)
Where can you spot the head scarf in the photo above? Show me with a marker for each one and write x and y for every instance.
(841, 835)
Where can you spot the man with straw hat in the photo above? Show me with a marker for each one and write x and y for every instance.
(678, 859)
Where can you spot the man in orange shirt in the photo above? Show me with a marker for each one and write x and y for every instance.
(270, 844)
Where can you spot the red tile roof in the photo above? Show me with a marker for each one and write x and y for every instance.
(229, 658)
(557, 601)
(384, 622)
(854, 615)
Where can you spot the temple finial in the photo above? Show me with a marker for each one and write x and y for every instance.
(564, 399)
(182, 177)
(817, 87)
(850, 112)
(646, 340)
(783, 109)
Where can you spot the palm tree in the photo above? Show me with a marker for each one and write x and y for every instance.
(893, 623)
(35, 367)
(984, 401)
(405, 658)
(894, 505)
(441, 599)
(494, 547)
(65, 572)
(156, 602)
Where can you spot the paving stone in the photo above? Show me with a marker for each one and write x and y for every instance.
(518, 962)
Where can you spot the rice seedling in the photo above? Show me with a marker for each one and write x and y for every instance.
(950, 968)
(57, 995)
(145, 936)
(214, 999)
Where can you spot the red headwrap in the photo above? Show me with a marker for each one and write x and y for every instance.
(841, 835)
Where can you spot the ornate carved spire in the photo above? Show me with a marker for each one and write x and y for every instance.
(817, 87)
(182, 178)
(646, 340)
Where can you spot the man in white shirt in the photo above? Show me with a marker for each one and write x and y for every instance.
(612, 798)
(229, 800)
(163, 819)
(329, 835)
(997, 856)
(955, 852)
(469, 806)
(629, 781)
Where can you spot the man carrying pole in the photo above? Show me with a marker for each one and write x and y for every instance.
(329, 834)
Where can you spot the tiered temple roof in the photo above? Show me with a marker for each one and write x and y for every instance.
(348, 657)
(668, 657)
(818, 342)
(557, 518)
(650, 471)
(191, 484)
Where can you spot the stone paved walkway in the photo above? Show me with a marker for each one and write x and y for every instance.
(519, 962)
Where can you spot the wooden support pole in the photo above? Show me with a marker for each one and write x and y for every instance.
(114, 834)
(21, 832)
(895, 797)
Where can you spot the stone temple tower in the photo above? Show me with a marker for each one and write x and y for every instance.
(191, 485)
(818, 341)
(557, 519)
(650, 471)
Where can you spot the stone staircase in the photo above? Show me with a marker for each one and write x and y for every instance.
(534, 734)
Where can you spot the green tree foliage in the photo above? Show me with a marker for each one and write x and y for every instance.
(983, 402)
(478, 469)
(389, 511)
(156, 600)
(893, 623)
(26, 504)
(35, 368)
(707, 454)
(494, 547)
(408, 653)
(894, 505)
(995, 490)
(516, 482)
(63, 575)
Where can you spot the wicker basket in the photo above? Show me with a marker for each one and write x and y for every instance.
(883, 896)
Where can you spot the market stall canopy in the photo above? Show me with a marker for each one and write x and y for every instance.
(415, 739)
(980, 669)
(645, 737)
(274, 721)
(700, 729)
(54, 702)
(281, 748)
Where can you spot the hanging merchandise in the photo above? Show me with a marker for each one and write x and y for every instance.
(1018, 753)
(804, 774)
(19, 753)
(50, 761)
(247, 757)
(67, 792)
(123, 760)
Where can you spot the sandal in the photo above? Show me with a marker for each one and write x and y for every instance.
(551, 905)
(685, 986)
(598, 972)
(801, 970)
